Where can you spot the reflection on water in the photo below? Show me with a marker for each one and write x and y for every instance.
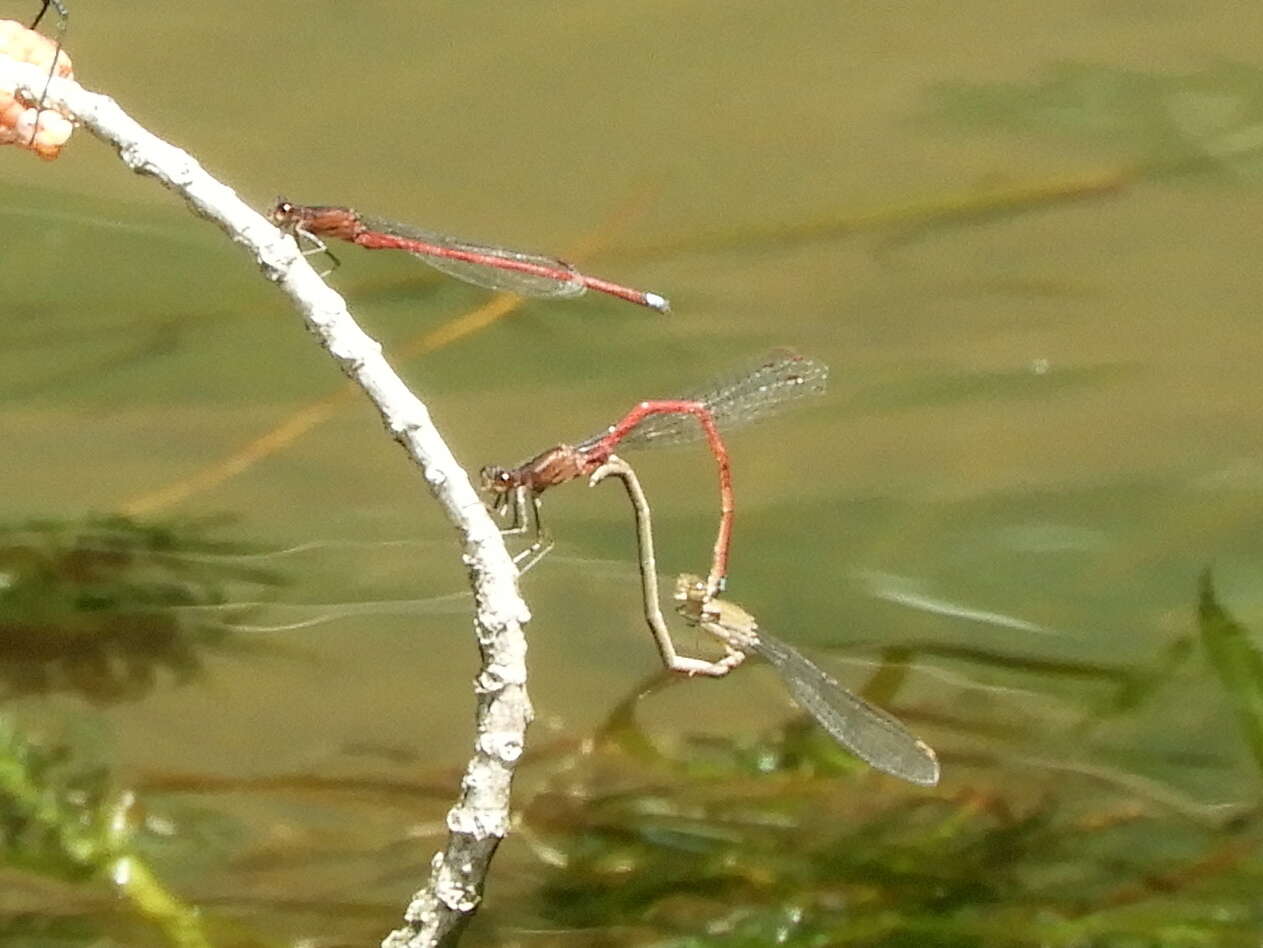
(100, 608)
(656, 820)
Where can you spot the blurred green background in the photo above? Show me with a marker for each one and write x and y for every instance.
(1024, 238)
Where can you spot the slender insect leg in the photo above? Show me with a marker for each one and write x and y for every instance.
(543, 543)
(63, 15)
(318, 246)
(56, 5)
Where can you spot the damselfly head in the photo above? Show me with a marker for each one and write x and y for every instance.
(283, 213)
(498, 480)
(690, 596)
(695, 603)
(689, 587)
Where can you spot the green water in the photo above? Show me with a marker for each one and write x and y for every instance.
(1024, 238)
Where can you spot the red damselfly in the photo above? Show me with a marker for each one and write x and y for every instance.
(496, 268)
(752, 393)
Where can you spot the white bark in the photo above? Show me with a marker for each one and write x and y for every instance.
(480, 818)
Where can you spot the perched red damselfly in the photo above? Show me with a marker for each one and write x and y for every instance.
(752, 393)
(496, 268)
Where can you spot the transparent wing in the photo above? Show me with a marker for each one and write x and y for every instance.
(873, 735)
(484, 265)
(754, 392)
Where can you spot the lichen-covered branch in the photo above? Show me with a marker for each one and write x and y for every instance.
(480, 818)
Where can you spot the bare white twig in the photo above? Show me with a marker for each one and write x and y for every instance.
(480, 818)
